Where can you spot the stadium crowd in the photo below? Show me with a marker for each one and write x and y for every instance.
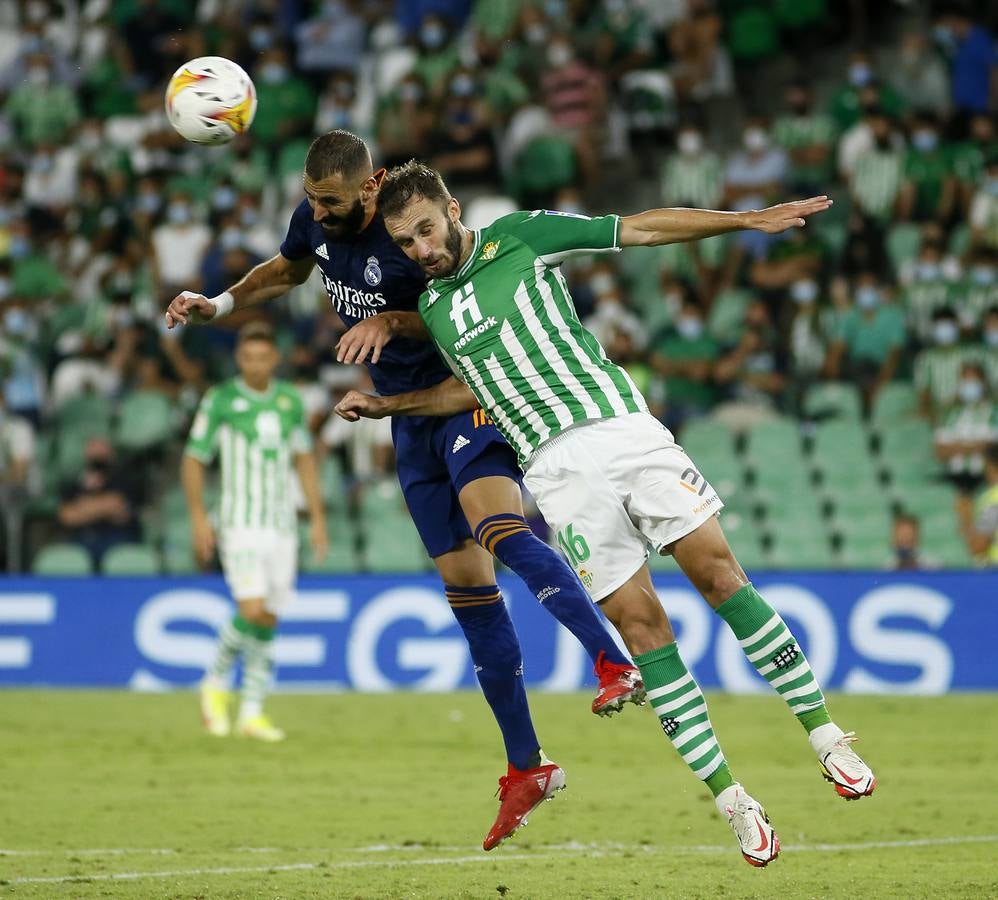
(839, 384)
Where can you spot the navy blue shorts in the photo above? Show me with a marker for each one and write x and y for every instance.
(436, 457)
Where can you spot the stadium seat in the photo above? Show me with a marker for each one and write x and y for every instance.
(62, 559)
(903, 240)
(833, 399)
(838, 444)
(71, 444)
(381, 498)
(131, 559)
(544, 165)
(483, 211)
(856, 554)
(179, 559)
(146, 419)
(393, 545)
(700, 434)
(801, 551)
(776, 443)
(894, 402)
(727, 313)
(959, 239)
(94, 409)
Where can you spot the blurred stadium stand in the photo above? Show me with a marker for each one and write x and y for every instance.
(824, 381)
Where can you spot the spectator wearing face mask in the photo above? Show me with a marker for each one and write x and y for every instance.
(754, 176)
(808, 330)
(403, 122)
(937, 368)
(808, 138)
(462, 148)
(846, 107)
(978, 290)
(875, 181)
(753, 373)
(970, 157)
(928, 189)
(575, 98)
(438, 53)
(988, 346)
(918, 74)
(337, 107)
(332, 39)
(694, 175)
(685, 358)
(870, 336)
(623, 39)
(99, 508)
(984, 207)
(927, 285)
(971, 50)
(285, 102)
(906, 544)
(178, 245)
(41, 110)
(969, 425)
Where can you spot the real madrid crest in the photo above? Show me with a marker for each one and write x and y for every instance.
(372, 271)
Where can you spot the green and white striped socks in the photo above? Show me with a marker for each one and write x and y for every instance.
(258, 670)
(227, 650)
(772, 649)
(681, 708)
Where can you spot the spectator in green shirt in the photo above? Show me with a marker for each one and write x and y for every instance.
(969, 158)
(928, 189)
(807, 136)
(686, 359)
(695, 175)
(870, 337)
(938, 367)
(845, 107)
(978, 291)
(438, 54)
(285, 103)
(926, 287)
(40, 110)
(876, 178)
(969, 425)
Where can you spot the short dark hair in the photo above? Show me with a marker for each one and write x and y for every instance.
(255, 331)
(403, 183)
(337, 153)
(903, 517)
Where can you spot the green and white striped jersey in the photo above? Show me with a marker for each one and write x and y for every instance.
(506, 324)
(257, 435)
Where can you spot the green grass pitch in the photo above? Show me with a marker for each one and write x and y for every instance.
(121, 795)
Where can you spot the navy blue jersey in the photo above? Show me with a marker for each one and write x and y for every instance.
(364, 276)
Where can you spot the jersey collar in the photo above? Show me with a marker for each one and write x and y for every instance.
(468, 263)
(244, 388)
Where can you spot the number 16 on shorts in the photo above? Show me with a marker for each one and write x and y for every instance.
(574, 546)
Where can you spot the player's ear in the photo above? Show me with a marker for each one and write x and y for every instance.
(454, 210)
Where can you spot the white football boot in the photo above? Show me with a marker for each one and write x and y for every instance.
(840, 764)
(748, 820)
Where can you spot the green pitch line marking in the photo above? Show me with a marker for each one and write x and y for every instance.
(483, 858)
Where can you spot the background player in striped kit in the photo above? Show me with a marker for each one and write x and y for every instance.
(605, 474)
(257, 425)
(459, 476)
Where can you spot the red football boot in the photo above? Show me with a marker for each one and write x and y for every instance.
(520, 793)
(618, 684)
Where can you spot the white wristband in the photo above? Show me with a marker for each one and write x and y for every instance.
(223, 304)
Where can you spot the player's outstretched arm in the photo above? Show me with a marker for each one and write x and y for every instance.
(370, 335)
(264, 282)
(671, 226)
(448, 398)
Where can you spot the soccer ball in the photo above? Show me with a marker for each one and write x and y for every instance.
(210, 100)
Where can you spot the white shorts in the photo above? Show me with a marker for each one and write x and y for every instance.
(260, 563)
(611, 488)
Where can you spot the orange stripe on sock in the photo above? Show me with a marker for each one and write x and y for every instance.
(464, 603)
(499, 524)
(494, 541)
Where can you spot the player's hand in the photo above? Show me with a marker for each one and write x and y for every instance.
(367, 336)
(189, 307)
(775, 219)
(203, 536)
(318, 539)
(358, 405)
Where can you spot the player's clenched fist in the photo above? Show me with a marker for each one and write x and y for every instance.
(197, 309)
(358, 405)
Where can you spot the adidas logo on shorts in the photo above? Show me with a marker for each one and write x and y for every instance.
(460, 441)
